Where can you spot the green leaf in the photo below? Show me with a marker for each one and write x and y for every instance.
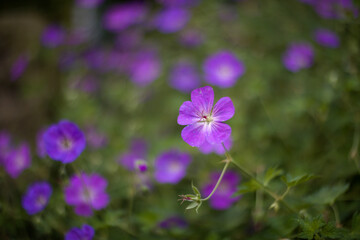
(293, 181)
(331, 231)
(249, 186)
(310, 227)
(192, 205)
(196, 191)
(270, 174)
(328, 194)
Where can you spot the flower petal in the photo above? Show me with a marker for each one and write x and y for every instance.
(194, 134)
(218, 132)
(203, 99)
(223, 110)
(187, 114)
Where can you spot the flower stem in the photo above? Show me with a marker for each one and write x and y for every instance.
(227, 162)
(336, 214)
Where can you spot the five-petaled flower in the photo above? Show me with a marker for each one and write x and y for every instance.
(205, 122)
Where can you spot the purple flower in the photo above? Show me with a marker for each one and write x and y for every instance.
(53, 36)
(95, 58)
(121, 16)
(40, 144)
(129, 39)
(86, 232)
(134, 159)
(171, 20)
(173, 222)
(191, 38)
(170, 166)
(335, 9)
(144, 68)
(19, 67)
(298, 56)
(218, 148)
(5, 146)
(222, 198)
(184, 77)
(94, 138)
(87, 192)
(89, 3)
(205, 123)
(64, 141)
(326, 38)
(17, 160)
(223, 69)
(36, 197)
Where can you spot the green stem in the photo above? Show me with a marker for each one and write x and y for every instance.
(336, 214)
(219, 180)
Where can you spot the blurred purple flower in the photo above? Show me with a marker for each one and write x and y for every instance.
(121, 16)
(223, 69)
(129, 39)
(184, 77)
(17, 160)
(86, 192)
(218, 148)
(138, 151)
(64, 141)
(52, 36)
(94, 138)
(222, 198)
(326, 38)
(89, 3)
(205, 123)
(40, 144)
(171, 19)
(5, 141)
(171, 166)
(95, 58)
(144, 68)
(86, 232)
(179, 3)
(298, 56)
(36, 197)
(191, 38)
(19, 67)
(335, 9)
(173, 222)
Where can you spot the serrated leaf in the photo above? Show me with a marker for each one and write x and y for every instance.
(192, 205)
(328, 194)
(310, 227)
(331, 231)
(270, 174)
(293, 181)
(249, 186)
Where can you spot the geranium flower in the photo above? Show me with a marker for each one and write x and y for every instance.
(87, 192)
(326, 38)
(218, 148)
(64, 141)
(205, 122)
(36, 197)
(298, 56)
(17, 160)
(184, 77)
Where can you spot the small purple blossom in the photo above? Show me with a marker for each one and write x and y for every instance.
(144, 68)
(223, 69)
(205, 122)
(335, 9)
(64, 141)
(298, 56)
(86, 232)
(132, 159)
(86, 192)
(53, 36)
(95, 58)
(17, 160)
(173, 222)
(171, 20)
(184, 77)
(36, 197)
(40, 144)
(121, 16)
(170, 166)
(218, 148)
(326, 38)
(89, 3)
(222, 198)
(19, 67)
